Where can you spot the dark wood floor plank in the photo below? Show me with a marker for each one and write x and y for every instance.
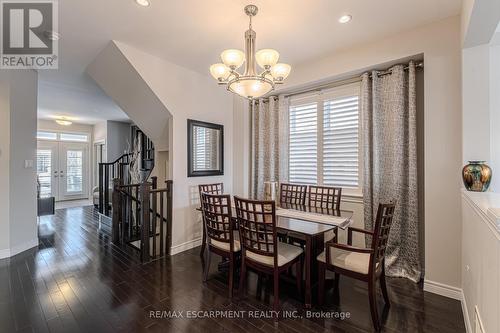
(78, 281)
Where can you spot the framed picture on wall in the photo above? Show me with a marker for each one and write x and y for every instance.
(205, 148)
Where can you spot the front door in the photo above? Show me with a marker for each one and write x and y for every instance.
(62, 170)
(73, 173)
(47, 167)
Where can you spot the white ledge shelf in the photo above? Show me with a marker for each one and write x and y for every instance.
(488, 203)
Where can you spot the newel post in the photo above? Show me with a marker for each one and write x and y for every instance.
(116, 219)
(145, 220)
(168, 242)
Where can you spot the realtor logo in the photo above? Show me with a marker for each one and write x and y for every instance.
(29, 34)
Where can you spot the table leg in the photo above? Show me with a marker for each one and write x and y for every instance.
(309, 255)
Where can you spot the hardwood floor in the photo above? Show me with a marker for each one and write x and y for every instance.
(77, 281)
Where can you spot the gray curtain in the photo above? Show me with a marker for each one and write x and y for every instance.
(390, 163)
(269, 142)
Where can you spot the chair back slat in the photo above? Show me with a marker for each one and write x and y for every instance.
(293, 194)
(217, 188)
(383, 222)
(257, 225)
(325, 197)
(216, 211)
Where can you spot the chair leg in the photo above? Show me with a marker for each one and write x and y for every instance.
(383, 286)
(243, 274)
(337, 282)
(321, 282)
(276, 304)
(203, 242)
(372, 294)
(207, 265)
(299, 265)
(231, 274)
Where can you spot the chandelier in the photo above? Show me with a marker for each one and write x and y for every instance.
(250, 84)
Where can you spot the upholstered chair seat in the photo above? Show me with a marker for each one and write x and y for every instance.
(352, 261)
(286, 253)
(225, 246)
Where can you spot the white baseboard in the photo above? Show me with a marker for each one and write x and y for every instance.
(443, 289)
(450, 292)
(185, 246)
(468, 324)
(7, 253)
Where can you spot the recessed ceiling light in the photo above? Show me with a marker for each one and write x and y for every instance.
(143, 3)
(345, 18)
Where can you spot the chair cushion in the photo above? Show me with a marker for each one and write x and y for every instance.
(286, 253)
(225, 245)
(352, 261)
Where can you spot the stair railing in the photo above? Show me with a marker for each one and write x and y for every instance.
(142, 217)
(107, 172)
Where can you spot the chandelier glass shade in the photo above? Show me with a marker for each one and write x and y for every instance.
(250, 84)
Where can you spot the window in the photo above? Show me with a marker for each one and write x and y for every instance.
(303, 143)
(324, 138)
(46, 135)
(73, 137)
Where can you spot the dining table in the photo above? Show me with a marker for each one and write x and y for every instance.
(310, 224)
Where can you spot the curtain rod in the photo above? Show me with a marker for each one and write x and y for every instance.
(355, 79)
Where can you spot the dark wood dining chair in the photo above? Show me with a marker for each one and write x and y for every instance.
(327, 200)
(222, 237)
(293, 194)
(216, 188)
(325, 197)
(365, 264)
(260, 248)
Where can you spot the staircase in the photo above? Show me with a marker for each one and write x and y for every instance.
(142, 218)
(125, 168)
(132, 209)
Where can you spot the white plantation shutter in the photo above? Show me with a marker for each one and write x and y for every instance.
(303, 143)
(205, 148)
(341, 141)
(324, 138)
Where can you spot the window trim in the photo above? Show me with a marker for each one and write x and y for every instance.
(58, 135)
(319, 98)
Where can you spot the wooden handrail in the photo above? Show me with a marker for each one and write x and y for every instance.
(117, 160)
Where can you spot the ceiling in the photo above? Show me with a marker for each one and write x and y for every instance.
(192, 33)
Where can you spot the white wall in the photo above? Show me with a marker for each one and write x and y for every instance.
(476, 103)
(186, 95)
(479, 21)
(114, 73)
(18, 128)
(100, 129)
(183, 94)
(440, 44)
(4, 164)
(495, 116)
(481, 107)
(481, 259)
(117, 139)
